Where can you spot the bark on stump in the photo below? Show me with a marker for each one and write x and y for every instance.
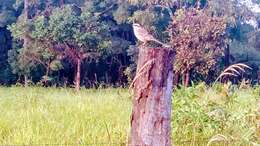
(151, 114)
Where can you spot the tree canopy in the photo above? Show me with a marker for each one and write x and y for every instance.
(91, 42)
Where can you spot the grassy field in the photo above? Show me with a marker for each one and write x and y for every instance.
(219, 115)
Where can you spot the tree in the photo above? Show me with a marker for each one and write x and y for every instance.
(7, 16)
(21, 62)
(40, 40)
(242, 30)
(74, 34)
(48, 59)
(155, 16)
(199, 39)
(26, 37)
(34, 53)
(235, 14)
(7, 13)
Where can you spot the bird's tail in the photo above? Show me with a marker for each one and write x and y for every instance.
(161, 43)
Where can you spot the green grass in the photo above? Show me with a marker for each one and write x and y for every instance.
(59, 116)
(222, 115)
(219, 115)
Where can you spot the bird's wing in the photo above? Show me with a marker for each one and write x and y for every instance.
(146, 34)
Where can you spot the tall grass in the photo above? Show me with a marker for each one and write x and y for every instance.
(219, 115)
(234, 70)
(60, 116)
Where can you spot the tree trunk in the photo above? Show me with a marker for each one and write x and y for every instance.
(61, 3)
(151, 114)
(187, 79)
(77, 77)
(198, 4)
(47, 73)
(183, 78)
(226, 56)
(26, 13)
(26, 9)
(25, 80)
(25, 37)
(176, 79)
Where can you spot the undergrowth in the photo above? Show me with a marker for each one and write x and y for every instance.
(219, 115)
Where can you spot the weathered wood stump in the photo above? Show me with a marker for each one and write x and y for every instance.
(151, 114)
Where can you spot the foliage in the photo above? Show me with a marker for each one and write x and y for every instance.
(242, 29)
(169, 3)
(45, 52)
(67, 32)
(84, 34)
(201, 113)
(25, 59)
(7, 13)
(7, 16)
(199, 39)
(80, 31)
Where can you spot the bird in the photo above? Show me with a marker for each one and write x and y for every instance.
(144, 36)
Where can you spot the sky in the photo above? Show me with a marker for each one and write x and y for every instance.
(252, 6)
(255, 8)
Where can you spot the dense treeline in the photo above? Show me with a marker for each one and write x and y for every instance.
(91, 42)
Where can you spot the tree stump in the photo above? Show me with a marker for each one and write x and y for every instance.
(151, 114)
